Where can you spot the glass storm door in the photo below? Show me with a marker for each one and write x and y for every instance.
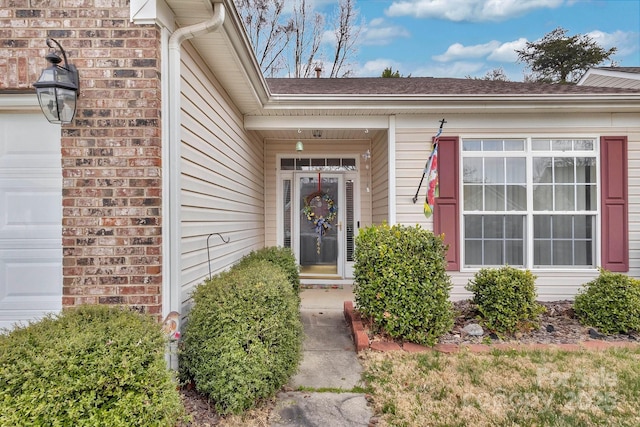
(319, 226)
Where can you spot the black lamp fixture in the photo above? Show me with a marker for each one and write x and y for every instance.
(57, 87)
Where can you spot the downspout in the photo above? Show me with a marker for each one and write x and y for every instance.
(172, 171)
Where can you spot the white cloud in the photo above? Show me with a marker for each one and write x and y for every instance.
(458, 69)
(459, 51)
(468, 10)
(506, 52)
(379, 33)
(625, 42)
(375, 67)
(492, 51)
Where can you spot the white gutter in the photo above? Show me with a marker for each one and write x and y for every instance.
(172, 172)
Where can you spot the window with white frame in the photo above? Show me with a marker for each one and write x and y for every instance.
(529, 202)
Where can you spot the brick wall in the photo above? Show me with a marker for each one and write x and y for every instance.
(111, 155)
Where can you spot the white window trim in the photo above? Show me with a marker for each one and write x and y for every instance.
(528, 153)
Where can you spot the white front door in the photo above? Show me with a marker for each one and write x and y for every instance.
(30, 218)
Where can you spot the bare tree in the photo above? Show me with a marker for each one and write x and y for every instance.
(293, 41)
(346, 33)
(306, 45)
(269, 32)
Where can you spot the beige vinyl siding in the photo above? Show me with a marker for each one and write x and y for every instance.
(380, 179)
(318, 148)
(222, 188)
(411, 154)
(634, 197)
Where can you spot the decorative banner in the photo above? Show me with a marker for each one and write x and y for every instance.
(431, 171)
(432, 181)
(320, 210)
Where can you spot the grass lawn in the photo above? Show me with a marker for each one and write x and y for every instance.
(505, 388)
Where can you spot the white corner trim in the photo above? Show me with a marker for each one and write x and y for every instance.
(392, 170)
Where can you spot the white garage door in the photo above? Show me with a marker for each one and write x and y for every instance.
(30, 218)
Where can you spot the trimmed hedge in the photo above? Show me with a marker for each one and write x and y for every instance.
(243, 339)
(401, 282)
(610, 303)
(280, 256)
(89, 366)
(506, 298)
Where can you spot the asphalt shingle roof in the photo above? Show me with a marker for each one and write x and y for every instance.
(427, 86)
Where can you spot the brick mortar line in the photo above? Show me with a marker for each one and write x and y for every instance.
(361, 341)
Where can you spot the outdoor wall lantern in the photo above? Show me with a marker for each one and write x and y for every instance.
(57, 87)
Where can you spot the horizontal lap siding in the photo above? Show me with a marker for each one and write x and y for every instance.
(311, 149)
(222, 188)
(412, 150)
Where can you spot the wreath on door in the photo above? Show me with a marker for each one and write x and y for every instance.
(320, 210)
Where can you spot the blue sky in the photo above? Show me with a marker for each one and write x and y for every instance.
(460, 38)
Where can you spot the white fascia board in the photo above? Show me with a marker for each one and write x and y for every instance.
(19, 102)
(315, 122)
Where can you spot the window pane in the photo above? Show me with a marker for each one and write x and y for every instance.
(564, 198)
(514, 253)
(286, 164)
(471, 145)
(494, 170)
(473, 252)
(286, 212)
(493, 252)
(540, 145)
(542, 252)
(561, 145)
(514, 145)
(472, 170)
(563, 170)
(349, 164)
(562, 252)
(542, 227)
(514, 226)
(583, 252)
(542, 170)
(473, 226)
(492, 145)
(472, 197)
(493, 226)
(586, 170)
(586, 198)
(516, 170)
(303, 164)
(334, 163)
(494, 198)
(562, 227)
(542, 198)
(584, 145)
(583, 226)
(516, 198)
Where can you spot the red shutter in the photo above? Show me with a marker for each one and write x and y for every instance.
(446, 216)
(615, 223)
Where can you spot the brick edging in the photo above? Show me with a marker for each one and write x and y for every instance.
(361, 341)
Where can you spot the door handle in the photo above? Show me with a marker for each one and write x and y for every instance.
(339, 226)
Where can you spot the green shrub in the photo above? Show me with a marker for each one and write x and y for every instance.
(401, 282)
(89, 366)
(610, 303)
(243, 338)
(506, 298)
(282, 257)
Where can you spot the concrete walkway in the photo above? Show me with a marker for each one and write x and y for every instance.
(329, 364)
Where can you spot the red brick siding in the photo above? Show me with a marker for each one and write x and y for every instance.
(111, 153)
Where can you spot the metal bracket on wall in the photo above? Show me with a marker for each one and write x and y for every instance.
(208, 253)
